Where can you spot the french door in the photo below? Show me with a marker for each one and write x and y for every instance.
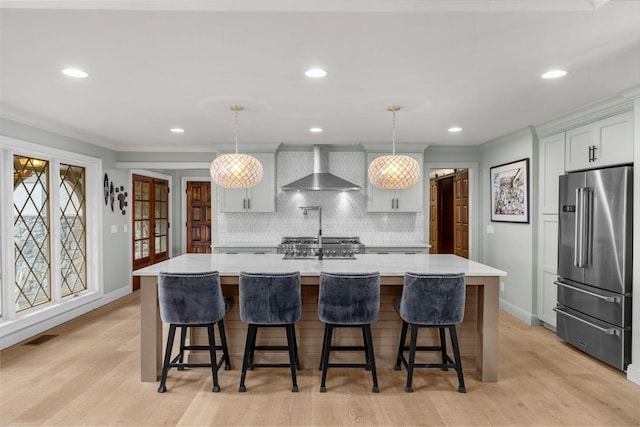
(199, 217)
(150, 222)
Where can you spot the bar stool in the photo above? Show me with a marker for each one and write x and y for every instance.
(189, 300)
(270, 300)
(431, 301)
(348, 300)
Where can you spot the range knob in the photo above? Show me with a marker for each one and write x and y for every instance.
(333, 253)
(344, 253)
(304, 253)
(351, 252)
(357, 251)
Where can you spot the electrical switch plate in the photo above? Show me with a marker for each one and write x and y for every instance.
(114, 228)
(125, 228)
(489, 229)
(501, 286)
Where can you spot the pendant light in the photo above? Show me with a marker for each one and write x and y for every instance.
(395, 171)
(236, 170)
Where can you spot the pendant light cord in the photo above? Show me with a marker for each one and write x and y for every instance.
(393, 138)
(237, 130)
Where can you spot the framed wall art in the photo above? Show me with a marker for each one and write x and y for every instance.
(510, 192)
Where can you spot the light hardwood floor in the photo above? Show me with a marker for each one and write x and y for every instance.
(88, 375)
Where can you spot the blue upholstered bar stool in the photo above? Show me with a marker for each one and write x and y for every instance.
(431, 301)
(348, 300)
(270, 300)
(190, 300)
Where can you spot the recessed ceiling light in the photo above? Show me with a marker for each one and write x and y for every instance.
(177, 130)
(315, 130)
(554, 74)
(75, 72)
(455, 129)
(315, 73)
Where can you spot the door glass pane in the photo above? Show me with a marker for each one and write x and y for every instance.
(145, 248)
(161, 244)
(145, 229)
(31, 232)
(72, 229)
(144, 192)
(138, 250)
(145, 210)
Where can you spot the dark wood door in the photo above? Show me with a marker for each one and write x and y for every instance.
(199, 217)
(150, 237)
(433, 215)
(461, 201)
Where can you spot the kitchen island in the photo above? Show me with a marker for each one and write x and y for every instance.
(478, 334)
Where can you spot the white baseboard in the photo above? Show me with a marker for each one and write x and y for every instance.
(633, 373)
(19, 335)
(519, 313)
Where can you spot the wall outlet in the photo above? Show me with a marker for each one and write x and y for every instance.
(114, 228)
(489, 229)
(501, 286)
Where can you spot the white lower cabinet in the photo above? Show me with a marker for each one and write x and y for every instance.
(408, 200)
(260, 198)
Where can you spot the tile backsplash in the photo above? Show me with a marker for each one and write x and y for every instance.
(343, 213)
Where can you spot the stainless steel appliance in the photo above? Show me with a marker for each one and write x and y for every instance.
(595, 263)
(332, 247)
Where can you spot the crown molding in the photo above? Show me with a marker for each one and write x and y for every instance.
(599, 110)
(522, 133)
(401, 147)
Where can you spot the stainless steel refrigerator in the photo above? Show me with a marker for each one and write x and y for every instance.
(595, 263)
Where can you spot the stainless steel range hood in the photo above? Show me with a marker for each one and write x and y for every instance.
(321, 179)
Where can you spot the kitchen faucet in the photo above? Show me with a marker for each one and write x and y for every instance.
(306, 209)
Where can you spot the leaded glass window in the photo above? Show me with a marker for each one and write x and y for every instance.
(73, 229)
(31, 230)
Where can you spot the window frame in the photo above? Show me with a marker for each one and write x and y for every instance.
(10, 321)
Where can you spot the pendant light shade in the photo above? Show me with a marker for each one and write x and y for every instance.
(395, 171)
(236, 170)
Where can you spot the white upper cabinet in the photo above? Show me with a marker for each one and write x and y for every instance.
(260, 198)
(409, 200)
(602, 143)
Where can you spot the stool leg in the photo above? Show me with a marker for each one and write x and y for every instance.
(366, 350)
(325, 355)
(443, 348)
(214, 360)
(183, 338)
(223, 340)
(456, 354)
(247, 351)
(324, 339)
(295, 344)
(292, 356)
(254, 337)
(403, 338)
(167, 359)
(371, 358)
(412, 357)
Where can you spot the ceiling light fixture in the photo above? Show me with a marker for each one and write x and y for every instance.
(554, 74)
(315, 130)
(315, 73)
(455, 129)
(396, 171)
(177, 130)
(236, 170)
(75, 72)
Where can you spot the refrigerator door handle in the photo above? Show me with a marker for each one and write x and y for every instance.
(593, 294)
(608, 331)
(577, 236)
(587, 227)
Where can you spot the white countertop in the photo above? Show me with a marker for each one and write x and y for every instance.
(387, 265)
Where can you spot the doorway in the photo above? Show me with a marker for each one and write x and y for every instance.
(150, 237)
(449, 212)
(198, 211)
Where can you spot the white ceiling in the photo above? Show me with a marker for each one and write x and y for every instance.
(154, 65)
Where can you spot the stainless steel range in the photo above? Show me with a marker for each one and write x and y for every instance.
(309, 247)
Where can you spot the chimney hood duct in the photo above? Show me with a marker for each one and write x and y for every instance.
(321, 179)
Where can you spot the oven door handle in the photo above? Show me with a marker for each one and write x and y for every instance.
(608, 331)
(593, 294)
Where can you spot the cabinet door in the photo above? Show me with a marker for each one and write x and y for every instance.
(551, 167)
(262, 197)
(548, 258)
(614, 137)
(578, 141)
(410, 200)
(232, 200)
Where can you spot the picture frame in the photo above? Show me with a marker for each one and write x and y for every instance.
(510, 192)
